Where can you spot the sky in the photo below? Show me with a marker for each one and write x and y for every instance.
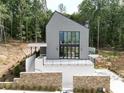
(71, 5)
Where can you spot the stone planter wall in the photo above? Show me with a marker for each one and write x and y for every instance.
(35, 81)
(91, 82)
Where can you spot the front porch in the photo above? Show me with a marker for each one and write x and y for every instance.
(45, 61)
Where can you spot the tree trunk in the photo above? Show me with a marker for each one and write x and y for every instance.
(98, 23)
(26, 30)
(11, 25)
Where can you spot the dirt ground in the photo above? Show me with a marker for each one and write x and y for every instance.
(111, 60)
(11, 54)
(118, 66)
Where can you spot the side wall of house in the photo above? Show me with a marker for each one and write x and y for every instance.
(60, 23)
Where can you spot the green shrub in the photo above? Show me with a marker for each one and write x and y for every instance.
(14, 86)
(31, 88)
(39, 88)
(8, 86)
(53, 89)
(21, 87)
(83, 90)
(26, 87)
(17, 71)
(59, 89)
(34, 88)
(1, 86)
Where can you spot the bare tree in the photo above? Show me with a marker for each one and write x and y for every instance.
(62, 8)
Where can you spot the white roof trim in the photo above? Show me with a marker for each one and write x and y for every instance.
(37, 45)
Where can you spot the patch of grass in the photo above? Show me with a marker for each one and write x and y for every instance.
(110, 56)
(108, 53)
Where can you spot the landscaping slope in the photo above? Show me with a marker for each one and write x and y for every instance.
(11, 54)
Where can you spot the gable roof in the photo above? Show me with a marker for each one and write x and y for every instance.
(66, 18)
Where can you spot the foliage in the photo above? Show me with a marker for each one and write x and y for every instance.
(24, 19)
(15, 86)
(17, 71)
(108, 53)
(111, 16)
(84, 90)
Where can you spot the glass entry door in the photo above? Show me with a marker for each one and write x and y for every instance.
(69, 45)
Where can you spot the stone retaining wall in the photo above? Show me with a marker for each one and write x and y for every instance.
(35, 81)
(91, 82)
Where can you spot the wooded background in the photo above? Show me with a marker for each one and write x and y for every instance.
(25, 20)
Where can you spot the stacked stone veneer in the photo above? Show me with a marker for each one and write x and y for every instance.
(91, 82)
(35, 80)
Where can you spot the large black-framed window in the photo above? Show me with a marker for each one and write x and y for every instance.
(69, 44)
